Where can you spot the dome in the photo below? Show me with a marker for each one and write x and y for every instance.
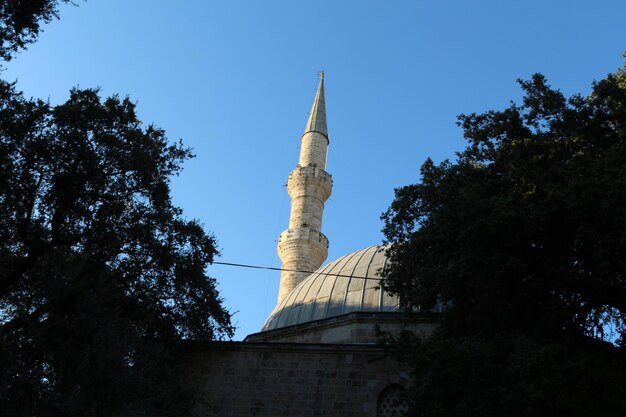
(350, 283)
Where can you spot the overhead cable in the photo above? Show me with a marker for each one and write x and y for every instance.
(294, 270)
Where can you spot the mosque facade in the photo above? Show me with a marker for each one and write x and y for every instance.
(318, 353)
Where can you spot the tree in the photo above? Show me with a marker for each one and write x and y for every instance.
(100, 274)
(520, 244)
(20, 23)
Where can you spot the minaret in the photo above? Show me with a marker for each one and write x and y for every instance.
(303, 247)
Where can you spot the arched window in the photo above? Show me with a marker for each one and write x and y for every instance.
(392, 402)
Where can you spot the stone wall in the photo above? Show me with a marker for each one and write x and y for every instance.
(282, 379)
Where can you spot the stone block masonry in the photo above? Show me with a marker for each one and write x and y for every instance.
(282, 379)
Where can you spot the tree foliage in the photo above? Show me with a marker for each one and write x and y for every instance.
(99, 271)
(521, 245)
(20, 23)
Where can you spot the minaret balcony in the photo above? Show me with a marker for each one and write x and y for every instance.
(309, 180)
(306, 234)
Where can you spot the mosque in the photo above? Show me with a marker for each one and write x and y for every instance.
(318, 352)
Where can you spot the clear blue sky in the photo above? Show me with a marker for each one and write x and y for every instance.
(235, 80)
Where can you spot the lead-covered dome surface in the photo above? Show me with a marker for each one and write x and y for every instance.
(350, 283)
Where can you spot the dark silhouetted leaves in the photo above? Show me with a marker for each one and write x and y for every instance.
(521, 244)
(21, 21)
(99, 272)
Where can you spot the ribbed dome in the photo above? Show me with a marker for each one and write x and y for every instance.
(350, 283)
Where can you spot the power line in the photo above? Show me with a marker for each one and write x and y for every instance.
(292, 270)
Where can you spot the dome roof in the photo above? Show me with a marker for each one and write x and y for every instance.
(350, 283)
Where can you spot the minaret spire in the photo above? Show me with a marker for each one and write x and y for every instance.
(303, 247)
(317, 117)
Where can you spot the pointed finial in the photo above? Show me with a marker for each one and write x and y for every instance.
(317, 117)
